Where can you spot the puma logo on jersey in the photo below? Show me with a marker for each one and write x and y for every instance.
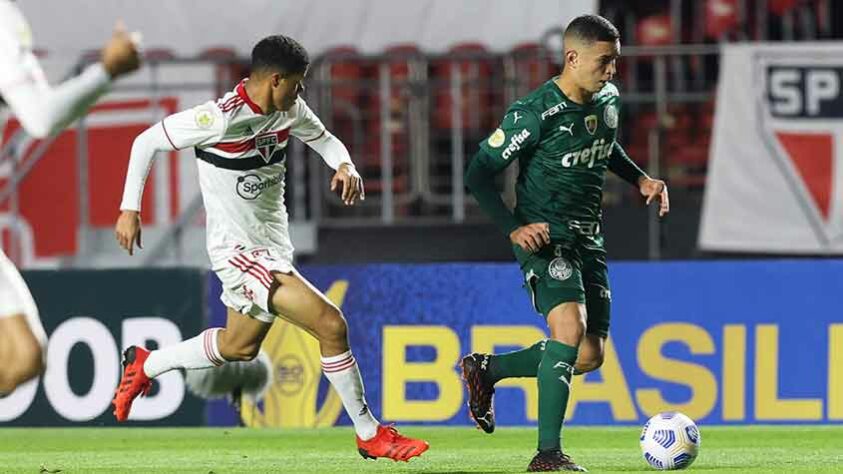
(599, 150)
(516, 116)
(515, 143)
(569, 129)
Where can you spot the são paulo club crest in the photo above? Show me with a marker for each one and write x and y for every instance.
(265, 144)
(800, 116)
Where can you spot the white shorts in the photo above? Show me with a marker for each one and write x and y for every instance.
(246, 278)
(15, 299)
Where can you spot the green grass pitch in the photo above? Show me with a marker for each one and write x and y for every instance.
(772, 449)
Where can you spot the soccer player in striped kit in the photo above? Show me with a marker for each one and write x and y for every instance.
(240, 144)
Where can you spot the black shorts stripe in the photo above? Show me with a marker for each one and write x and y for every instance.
(240, 164)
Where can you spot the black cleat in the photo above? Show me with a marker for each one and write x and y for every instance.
(365, 454)
(480, 392)
(553, 460)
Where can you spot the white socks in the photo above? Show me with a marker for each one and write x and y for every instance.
(202, 352)
(341, 370)
(199, 352)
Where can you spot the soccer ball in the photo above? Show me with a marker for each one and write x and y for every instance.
(670, 440)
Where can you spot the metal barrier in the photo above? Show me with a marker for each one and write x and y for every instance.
(413, 160)
(411, 122)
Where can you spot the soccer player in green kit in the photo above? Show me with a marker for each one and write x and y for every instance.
(563, 136)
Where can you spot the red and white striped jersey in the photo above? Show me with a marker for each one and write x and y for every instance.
(241, 158)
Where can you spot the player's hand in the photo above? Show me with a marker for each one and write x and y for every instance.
(655, 189)
(531, 237)
(120, 55)
(128, 230)
(352, 184)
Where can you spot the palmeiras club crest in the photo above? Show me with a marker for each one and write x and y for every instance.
(591, 124)
(265, 144)
(800, 116)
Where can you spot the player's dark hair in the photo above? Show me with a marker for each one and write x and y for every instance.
(280, 53)
(591, 28)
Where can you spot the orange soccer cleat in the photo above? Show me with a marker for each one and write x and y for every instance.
(133, 383)
(388, 443)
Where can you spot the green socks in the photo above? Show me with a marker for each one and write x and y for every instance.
(554, 377)
(552, 363)
(521, 363)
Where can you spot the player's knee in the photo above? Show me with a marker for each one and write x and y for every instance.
(332, 325)
(32, 363)
(27, 364)
(590, 364)
(570, 333)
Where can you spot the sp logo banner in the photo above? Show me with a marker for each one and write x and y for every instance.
(800, 115)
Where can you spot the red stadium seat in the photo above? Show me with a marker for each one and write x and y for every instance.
(721, 18)
(219, 53)
(655, 30)
(402, 62)
(158, 54)
(229, 69)
(532, 67)
(346, 73)
(475, 70)
(780, 7)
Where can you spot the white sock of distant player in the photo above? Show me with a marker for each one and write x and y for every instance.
(341, 370)
(199, 352)
(252, 378)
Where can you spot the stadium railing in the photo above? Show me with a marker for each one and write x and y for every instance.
(412, 120)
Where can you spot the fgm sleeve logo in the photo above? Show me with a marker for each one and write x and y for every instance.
(801, 120)
(554, 110)
(265, 144)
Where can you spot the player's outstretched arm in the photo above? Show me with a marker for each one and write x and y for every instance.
(652, 189)
(655, 190)
(514, 139)
(480, 180)
(202, 125)
(349, 182)
(335, 154)
(308, 128)
(44, 110)
(622, 165)
(128, 228)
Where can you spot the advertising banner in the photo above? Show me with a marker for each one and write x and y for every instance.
(90, 316)
(724, 342)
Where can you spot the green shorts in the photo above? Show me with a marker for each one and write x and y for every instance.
(577, 273)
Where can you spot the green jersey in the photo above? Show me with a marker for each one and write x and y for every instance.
(563, 150)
